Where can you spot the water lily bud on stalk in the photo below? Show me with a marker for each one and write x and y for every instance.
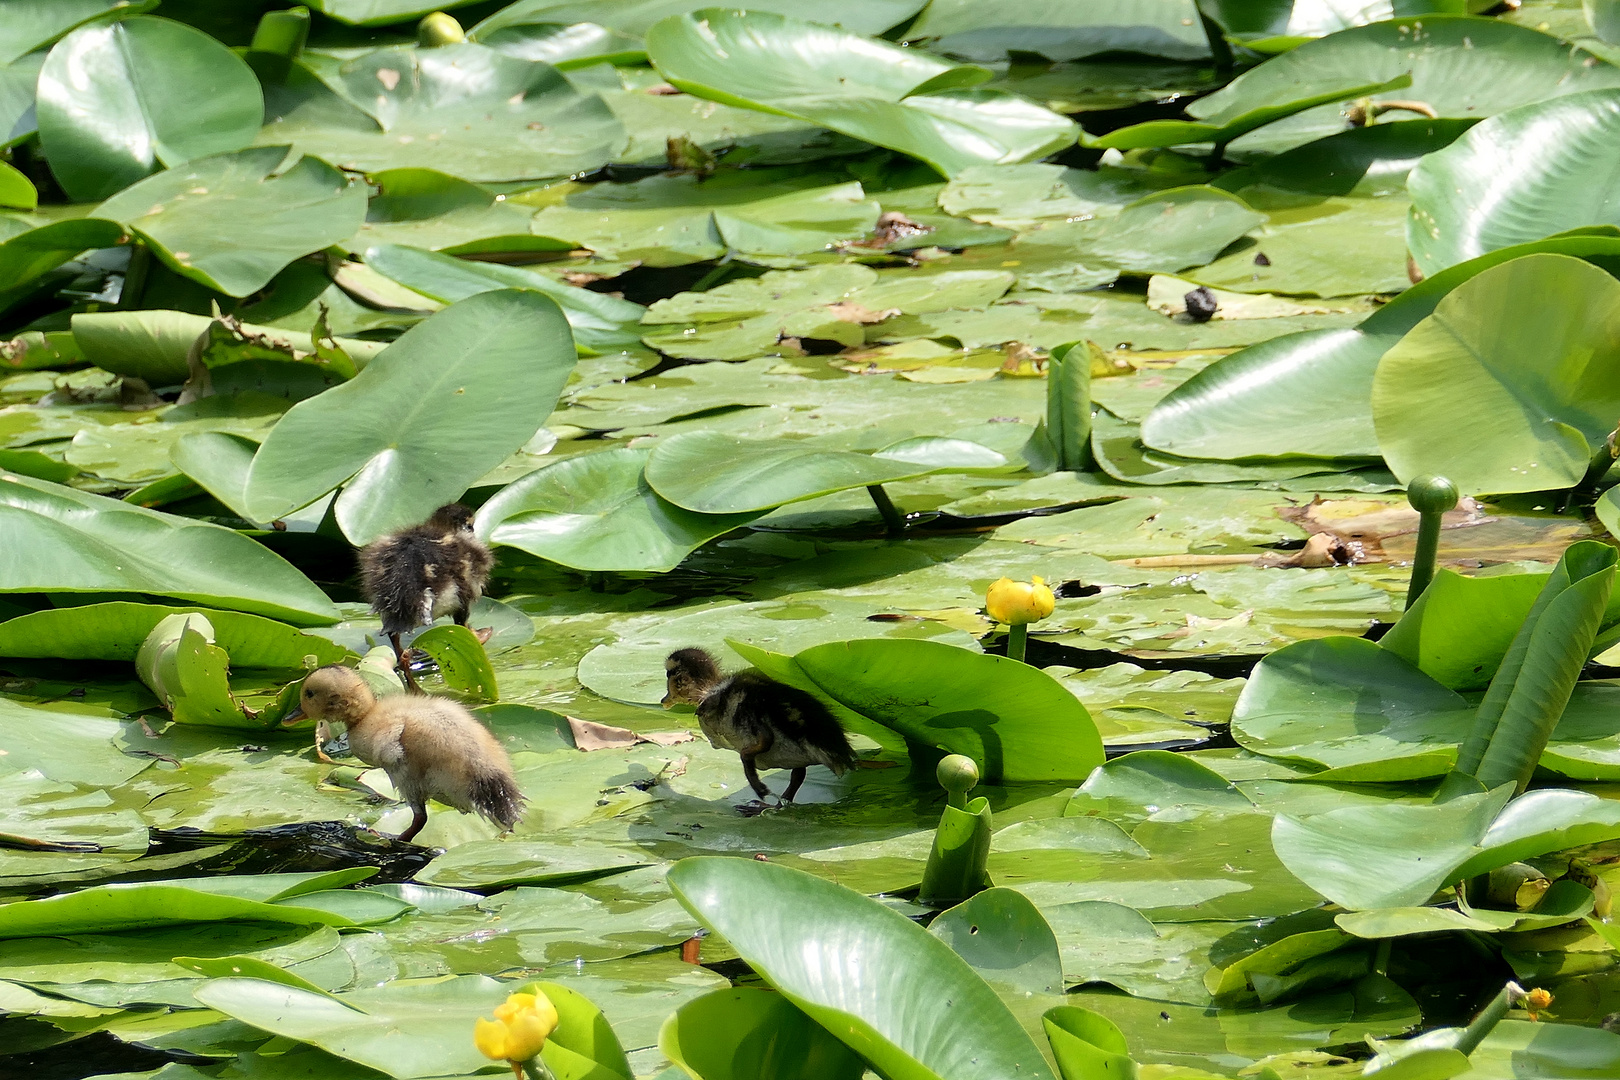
(439, 29)
(1431, 497)
(957, 774)
(1017, 604)
(518, 1033)
(1537, 1001)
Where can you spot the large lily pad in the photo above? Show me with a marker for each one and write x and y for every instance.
(397, 440)
(114, 631)
(1523, 359)
(894, 97)
(1310, 393)
(862, 971)
(1461, 67)
(1491, 190)
(600, 323)
(1060, 31)
(233, 222)
(161, 92)
(466, 110)
(1346, 705)
(596, 512)
(714, 474)
(1017, 722)
(71, 541)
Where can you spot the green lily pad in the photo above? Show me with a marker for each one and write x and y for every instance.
(232, 222)
(747, 1032)
(185, 93)
(116, 547)
(1462, 67)
(600, 323)
(716, 474)
(1018, 723)
(466, 110)
(429, 209)
(596, 512)
(1061, 31)
(1165, 232)
(1348, 706)
(30, 248)
(403, 1030)
(894, 97)
(1314, 389)
(1458, 209)
(1526, 432)
(499, 358)
(826, 973)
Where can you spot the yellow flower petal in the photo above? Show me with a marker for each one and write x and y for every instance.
(490, 1038)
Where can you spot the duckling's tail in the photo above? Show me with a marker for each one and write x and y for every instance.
(496, 797)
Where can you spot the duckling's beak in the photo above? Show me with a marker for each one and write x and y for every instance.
(293, 717)
(669, 701)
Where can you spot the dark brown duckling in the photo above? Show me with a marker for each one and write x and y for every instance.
(430, 747)
(414, 576)
(768, 724)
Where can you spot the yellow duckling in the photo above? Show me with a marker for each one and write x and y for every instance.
(430, 747)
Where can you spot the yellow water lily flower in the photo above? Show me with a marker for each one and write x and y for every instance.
(519, 1031)
(1018, 602)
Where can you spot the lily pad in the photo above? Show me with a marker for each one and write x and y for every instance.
(1528, 431)
(467, 110)
(1483, 192)
(233, 222)
(185, 93)
(894, 97)
(600, 323)
(72, 541)
(500, 357)
(735, 897)
(597, 512)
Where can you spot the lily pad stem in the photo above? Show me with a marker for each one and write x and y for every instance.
(536, 1069)
(1488, 1018)
(1380, 964)
(1017, 638)
(892, 517)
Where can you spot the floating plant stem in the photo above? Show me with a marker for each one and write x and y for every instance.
(892, 517)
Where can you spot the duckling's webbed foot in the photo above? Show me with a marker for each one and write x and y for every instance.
(753, 809)
(483, 634)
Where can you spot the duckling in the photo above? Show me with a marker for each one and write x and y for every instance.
(414, 576)
(769, 725)
(430, 747)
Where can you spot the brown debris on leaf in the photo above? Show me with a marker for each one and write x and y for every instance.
(891, 227)
(589, 735)
(1362, 525)
(851, 312)
(1320, 551)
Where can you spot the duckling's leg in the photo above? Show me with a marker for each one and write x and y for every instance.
(418, 819)
(752, 773)
(793, 785)
(402, 663)
(463, 614)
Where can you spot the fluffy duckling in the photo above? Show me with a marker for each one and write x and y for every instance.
(414, 576)
(768, 724)
(430, 747)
